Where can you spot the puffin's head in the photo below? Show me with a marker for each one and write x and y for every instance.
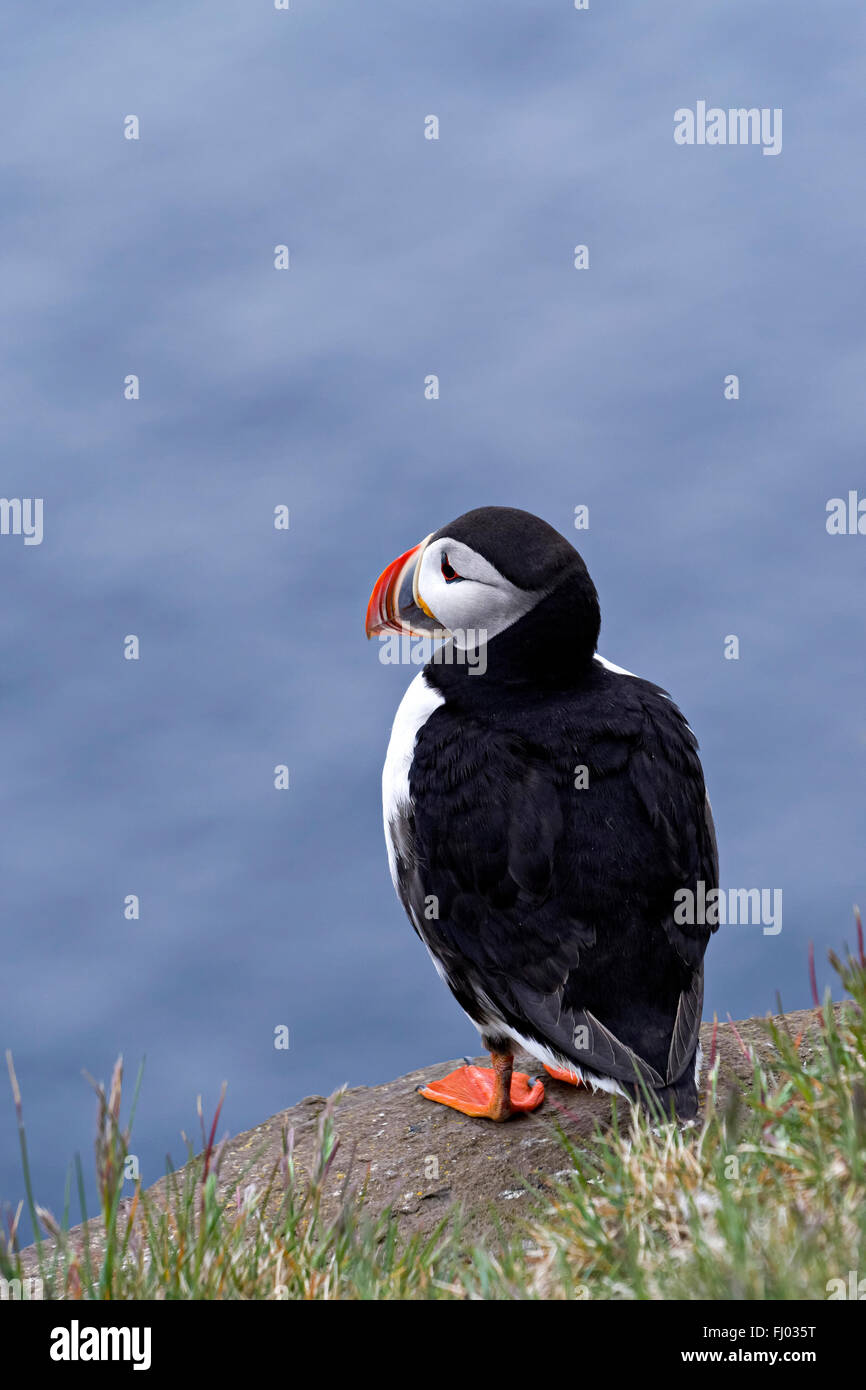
(481, 575)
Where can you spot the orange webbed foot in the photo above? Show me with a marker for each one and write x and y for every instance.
(492, 1093)
(571, 1078)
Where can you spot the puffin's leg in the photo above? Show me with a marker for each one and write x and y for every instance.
(492, 1093)
(568, 1076)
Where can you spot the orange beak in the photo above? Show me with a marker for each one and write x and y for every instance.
(395, 604)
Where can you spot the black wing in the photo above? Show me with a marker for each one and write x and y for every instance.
(550, 905)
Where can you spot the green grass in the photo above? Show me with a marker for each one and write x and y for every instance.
(765, 1198)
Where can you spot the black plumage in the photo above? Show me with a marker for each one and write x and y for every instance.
(549, 906)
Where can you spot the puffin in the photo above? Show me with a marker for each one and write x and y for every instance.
(544, 810)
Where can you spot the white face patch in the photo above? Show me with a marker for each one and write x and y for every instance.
(467, 594)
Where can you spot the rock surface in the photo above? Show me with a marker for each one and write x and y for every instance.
(421, 1158)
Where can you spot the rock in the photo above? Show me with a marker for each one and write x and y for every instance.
(420, 1158)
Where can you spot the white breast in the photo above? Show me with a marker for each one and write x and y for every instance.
(414, 710)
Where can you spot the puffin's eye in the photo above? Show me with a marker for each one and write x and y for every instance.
(449, 573)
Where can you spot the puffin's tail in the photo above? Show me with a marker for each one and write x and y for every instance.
(679, 1099)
